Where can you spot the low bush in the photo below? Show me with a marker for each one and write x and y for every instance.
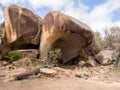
(52, 57)
(14, 55)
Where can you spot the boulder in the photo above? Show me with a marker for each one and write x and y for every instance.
(81, 63)
(106, 57)
(29, 53)
(48, 71)
(26, 62)
(0, 40)
(23, 62)
(22, 28)
(1, 30)
(66, 33)
(22, 23)
(4, 46)
(91, 61)
(3, 63)
(0, 57)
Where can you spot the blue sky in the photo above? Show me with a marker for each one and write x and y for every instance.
(98, 14)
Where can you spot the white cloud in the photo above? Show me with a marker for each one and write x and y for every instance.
(6, 2)
(117, 23)
(101, 16)
(53, 4)
(78, 12)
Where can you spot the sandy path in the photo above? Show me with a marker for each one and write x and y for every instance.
(58, 84)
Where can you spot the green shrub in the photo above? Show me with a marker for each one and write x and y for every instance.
(87, 65)
(14, 55)
(2, 24)
(53, 55)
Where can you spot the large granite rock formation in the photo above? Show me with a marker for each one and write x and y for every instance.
(22, 28)
(66, 33)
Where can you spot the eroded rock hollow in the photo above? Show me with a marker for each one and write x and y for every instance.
(65, 33)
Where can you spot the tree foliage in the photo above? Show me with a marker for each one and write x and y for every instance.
(98, 40)
(112, 38)
(2, 24)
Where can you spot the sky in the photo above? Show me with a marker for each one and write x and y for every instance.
(98, 14)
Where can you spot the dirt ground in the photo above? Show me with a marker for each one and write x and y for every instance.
(70, 78)
(58, 84)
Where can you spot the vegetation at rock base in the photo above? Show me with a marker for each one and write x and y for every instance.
(53, 55)
(2, 24)
(87, 65)
(14, 55)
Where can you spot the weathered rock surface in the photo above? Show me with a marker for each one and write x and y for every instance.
(1, 30)
(22, 28)
(24, 62)
(3, 63)
(29, 53)
(0, 57)
(92, 61)
(19, 22)
(48, 71)
(106, 57)
(64, 32)
(81, 63)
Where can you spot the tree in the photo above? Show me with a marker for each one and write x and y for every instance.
(98, 40)
(2, 24)
(112, 37)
